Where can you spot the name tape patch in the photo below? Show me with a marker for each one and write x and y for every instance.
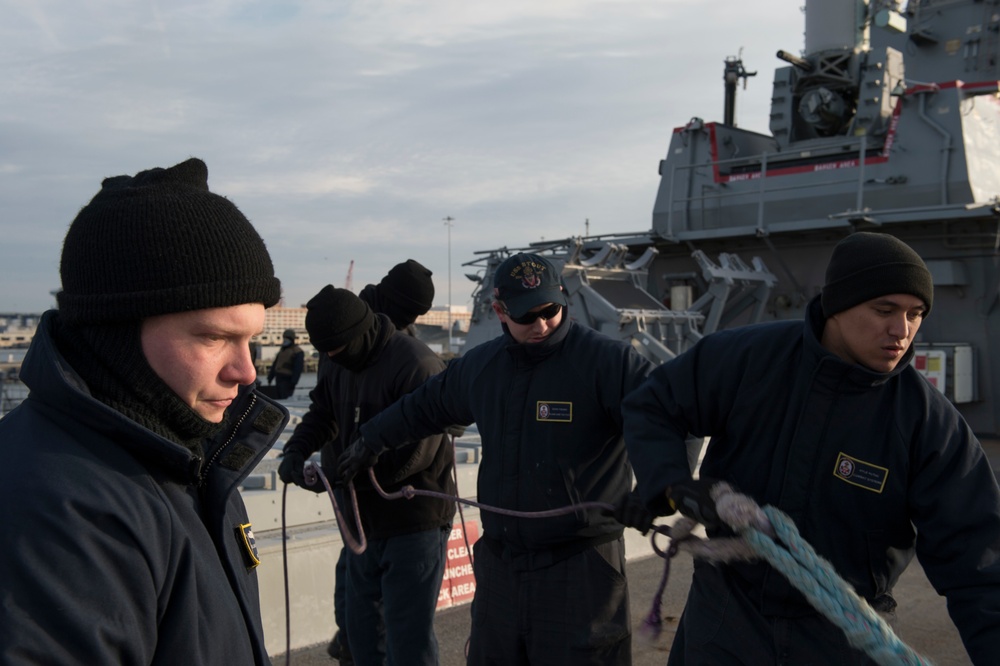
(561, 412)
(860, 473)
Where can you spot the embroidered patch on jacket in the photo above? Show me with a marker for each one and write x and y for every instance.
(860, 473)
(244, 535)
(561, 412)
(268, 420)
(237, 457)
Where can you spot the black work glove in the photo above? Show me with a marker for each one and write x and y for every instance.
(292, 470)
(357, 457)
(631, 512)
(693, 499)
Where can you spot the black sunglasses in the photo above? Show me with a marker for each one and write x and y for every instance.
(532, 317)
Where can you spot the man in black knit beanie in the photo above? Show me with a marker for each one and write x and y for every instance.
(826, 420)
(403, 294)
(133, 543)
(385, 603)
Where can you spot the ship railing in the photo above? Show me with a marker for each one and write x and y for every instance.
(12, 394)
(766, 185)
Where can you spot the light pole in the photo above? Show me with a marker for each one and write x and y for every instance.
(447, 222)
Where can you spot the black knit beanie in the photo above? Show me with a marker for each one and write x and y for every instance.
(159, 242)
(867, 265)
(406, 292)
(335, 317)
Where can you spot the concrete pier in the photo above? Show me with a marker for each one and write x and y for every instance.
(923, 621)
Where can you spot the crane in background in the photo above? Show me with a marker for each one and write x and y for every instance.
(349, 280)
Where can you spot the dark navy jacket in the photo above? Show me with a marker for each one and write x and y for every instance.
(121, 547)
(870, 466)
(551, 426)
(342, 400)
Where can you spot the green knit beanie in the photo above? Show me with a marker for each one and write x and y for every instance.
(867, 265)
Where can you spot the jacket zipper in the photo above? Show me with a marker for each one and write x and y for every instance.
(232, 434)
(357, 405)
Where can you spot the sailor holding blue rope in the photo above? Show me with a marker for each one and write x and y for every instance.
(827, 421)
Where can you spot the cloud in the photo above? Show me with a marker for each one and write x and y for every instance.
(349, 130)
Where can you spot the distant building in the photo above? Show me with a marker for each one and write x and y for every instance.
(277, 320)
(17, 329)
(460, 316)
(16, 339)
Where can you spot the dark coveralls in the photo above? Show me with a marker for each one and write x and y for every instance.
(870, 466)
(553, 590)
(392, 588)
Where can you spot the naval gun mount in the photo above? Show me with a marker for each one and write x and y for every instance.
(607, 283)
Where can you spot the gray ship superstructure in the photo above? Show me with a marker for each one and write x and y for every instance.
(889, 121)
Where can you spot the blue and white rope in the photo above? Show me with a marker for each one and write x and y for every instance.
(771, 535)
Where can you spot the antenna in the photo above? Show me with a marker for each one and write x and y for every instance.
(349, 280)
(448, 223)
(733, 73)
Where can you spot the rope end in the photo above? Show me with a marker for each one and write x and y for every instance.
(651, 627)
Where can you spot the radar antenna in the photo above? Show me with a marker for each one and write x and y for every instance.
(732, 74)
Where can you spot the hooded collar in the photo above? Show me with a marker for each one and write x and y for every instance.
(537, 352)
(832, 365)
(61, 391)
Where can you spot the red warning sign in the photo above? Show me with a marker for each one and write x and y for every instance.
(932, 364)
(459, 584)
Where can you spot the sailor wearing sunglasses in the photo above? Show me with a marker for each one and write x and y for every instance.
(546, 396)
(528, 317)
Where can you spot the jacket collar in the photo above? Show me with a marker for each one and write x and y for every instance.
(539, 351)
(831, 365)
(60, 390)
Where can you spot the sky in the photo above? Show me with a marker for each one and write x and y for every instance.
(349, 130)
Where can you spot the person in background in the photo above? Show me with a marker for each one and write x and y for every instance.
(127, 541)
(826, 420)
(546, 397)
(255, 348)
(392, 587)
(403, 294)
(287, 367)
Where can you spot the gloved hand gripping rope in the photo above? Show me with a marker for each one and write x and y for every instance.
(771, 535)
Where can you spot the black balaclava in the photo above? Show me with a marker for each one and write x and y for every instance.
(337, 318)
(405, 293)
